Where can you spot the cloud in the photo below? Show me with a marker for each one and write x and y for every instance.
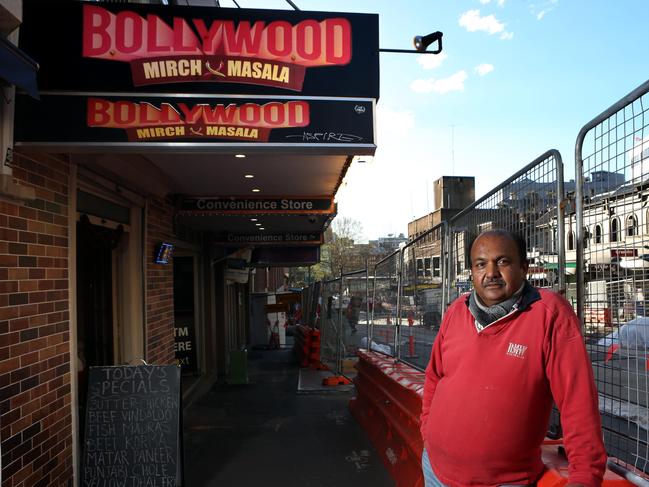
(541, 9)
(485, 2)
(483, 69)
(507, 36)
(472, 22)
(501, 3)
(431, 61)
(442, 86)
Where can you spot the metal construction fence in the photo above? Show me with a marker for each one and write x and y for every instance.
(587, 238)
(330, 325)
(528, 203)
(355, 316)
(608, 237)
(385, 303)
(423, 294)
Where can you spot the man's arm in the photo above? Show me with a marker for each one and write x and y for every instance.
(571, 378)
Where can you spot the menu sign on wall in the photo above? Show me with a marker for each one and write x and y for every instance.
(132, 427)
(113, 47)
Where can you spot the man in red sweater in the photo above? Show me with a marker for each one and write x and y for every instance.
(503, 353)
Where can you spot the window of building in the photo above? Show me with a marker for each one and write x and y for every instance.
(427, 267)
(571, 240)
(420, 267)
(632, 226)
(615, 230)
(437, 269)
(598, 234)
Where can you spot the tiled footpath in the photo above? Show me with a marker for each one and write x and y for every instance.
(265, 434)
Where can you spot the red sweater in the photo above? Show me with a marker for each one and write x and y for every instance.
(488, 395)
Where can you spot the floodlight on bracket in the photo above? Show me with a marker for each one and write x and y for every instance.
(421, 44)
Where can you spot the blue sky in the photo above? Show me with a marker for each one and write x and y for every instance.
(515, 79)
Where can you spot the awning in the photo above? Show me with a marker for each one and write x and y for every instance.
(17, 68)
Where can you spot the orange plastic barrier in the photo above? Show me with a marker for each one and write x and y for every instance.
(302, 344)
(557, 473)
(314, 348)
(388, 406)
(306, 345)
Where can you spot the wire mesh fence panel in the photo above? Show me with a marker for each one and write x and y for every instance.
(330, 325)
(608, 232)
(383, 305)
(422, 296)
(313, 305)
(305, 303)
(355, 318)
(527, 204)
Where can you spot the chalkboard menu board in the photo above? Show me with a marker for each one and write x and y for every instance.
(133, 429)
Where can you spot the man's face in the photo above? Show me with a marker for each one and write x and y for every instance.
(496, 268)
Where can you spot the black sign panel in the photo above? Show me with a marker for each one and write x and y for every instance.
(272, 238)
(285, 256)
(238, 205)
(116, 47)
(138, 121)
(132, 432)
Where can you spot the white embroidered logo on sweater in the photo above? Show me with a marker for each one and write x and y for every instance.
(516, 350)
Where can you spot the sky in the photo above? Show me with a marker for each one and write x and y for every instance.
(515, 78)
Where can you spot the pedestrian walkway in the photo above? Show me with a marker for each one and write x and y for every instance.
(266, 434)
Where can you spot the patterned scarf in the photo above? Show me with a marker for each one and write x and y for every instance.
(485, 315)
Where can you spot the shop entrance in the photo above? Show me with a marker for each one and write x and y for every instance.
(185, 295)
(95, 320)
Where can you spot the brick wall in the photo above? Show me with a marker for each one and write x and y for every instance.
(35, 410)
(159, 286)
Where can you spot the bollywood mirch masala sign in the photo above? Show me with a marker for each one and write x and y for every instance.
(111, 47)
(132, 120)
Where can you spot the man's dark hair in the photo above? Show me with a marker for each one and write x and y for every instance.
(519, 240)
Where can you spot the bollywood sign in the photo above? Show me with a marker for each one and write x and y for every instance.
(62, 120)
(242, 205)
(112, 47)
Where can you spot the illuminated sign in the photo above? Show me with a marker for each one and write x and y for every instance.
(113, 47)
(272, 238)
(145, 121)
(110, 120)
(266, 53)
(237, 205)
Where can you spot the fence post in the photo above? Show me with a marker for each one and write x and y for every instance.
(397, 323)
(561, 231)
(445, 281)
(339, 342)
(367, 303)
(370, 331)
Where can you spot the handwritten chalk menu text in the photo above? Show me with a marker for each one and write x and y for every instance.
(132, 433)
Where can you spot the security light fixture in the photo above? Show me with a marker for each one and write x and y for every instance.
(253, 219)
(240, 156)
(422, 42)
(256, 190)
(262, 228)
(421, 45)
(258, 224)
(249, 176)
